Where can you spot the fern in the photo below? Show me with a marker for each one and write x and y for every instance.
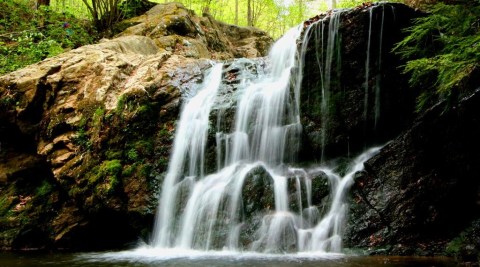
(443, 50)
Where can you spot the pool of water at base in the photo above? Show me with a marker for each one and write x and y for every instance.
(178, 258)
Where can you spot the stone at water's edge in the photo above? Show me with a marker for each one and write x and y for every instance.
(86, 135)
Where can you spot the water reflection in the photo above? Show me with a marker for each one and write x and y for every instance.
(138, 258)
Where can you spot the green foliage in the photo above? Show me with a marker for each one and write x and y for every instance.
(443, 49)
(30, 35)
(106, 13)
(132, 8)
(273, 16)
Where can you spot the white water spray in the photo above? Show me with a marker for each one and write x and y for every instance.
(214, 211)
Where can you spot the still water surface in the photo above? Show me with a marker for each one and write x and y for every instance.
(151, 258)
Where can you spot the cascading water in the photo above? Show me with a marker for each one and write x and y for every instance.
(189, 144)
(378, 77)
(248, 204)
(367, 65)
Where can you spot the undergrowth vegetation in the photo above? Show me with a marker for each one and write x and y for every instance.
(29, 35)
(443, 51)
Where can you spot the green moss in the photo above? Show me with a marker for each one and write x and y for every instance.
(454, 246)
(82, 137)
(110, 171)
(121, 102)
(7, 102)
(129, 170)
(54, 123)
(6, 203)
(113, 154)
(146, 170)
(98, 116)
(144, 109)
(44, 189)
(94, 175)
(466, 246)
(132, 155)
(76, 191)
(101, 180)
(111, 168)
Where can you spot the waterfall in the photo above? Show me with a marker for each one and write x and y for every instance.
(378, 80)
(332, 40)
(378, 76)
(367, 66)
(257, 199)
(325, 57)
(189, 144)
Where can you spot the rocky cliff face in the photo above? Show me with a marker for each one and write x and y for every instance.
(85, 135)
(420, 194)
(353, 94)
(422, 190)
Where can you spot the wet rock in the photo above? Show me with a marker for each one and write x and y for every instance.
(343, 126)
(410, 193)
(258, 192)
(258, 199)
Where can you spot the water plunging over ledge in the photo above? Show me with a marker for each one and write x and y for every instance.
(248, 204)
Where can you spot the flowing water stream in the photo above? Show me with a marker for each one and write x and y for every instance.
(223, 210)
(154, 258)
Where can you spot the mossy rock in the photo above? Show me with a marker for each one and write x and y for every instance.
(466, 246)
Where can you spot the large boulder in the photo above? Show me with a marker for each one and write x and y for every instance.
(86, 135)
(176, 29)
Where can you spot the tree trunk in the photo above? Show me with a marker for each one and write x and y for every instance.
(43, 3)
(236, 12)
(300, 10)
(249, 13)
(333, 4)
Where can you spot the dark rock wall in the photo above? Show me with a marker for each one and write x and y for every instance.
(422, 189)
(347, 129)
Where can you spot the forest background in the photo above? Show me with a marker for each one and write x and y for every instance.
(32, 30)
